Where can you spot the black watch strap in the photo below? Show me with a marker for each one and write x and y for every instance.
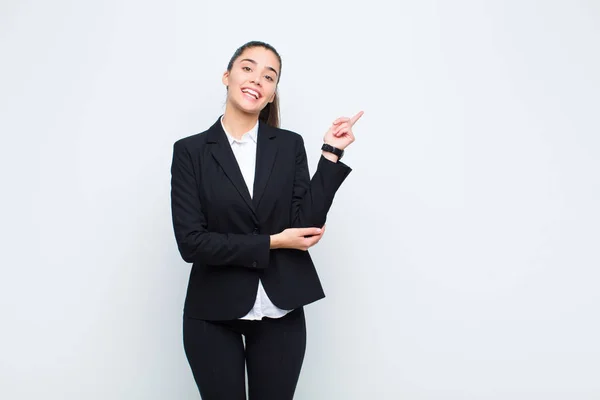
(330, 149)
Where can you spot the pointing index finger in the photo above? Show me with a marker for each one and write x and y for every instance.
(356, 117)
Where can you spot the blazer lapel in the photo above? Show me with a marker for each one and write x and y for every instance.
(222, 153)
(266, 150)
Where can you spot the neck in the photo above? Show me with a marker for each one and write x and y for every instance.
(238, 122)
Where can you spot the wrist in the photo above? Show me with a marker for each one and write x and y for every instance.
(276, 241)
(330, 156)
(335, 151)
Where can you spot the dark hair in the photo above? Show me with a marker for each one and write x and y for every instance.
(269, 114)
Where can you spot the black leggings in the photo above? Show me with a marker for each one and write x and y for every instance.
(274, 353)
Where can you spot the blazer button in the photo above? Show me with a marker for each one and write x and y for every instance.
(254, 264)
(255, 231)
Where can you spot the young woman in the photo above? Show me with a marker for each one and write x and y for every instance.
(245, 212)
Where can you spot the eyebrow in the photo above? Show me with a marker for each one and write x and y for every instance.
(254, 62)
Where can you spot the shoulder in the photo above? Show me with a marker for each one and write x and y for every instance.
(191, 142)
(199, 140)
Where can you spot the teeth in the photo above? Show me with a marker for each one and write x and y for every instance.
(251, 92)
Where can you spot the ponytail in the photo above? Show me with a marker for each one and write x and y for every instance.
(270, 114)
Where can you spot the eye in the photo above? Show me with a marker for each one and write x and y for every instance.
(246, 68)
(269, 78)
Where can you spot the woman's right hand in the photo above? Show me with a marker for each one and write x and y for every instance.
(297, 238)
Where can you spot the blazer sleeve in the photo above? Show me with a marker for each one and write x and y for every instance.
(194, 241)
(312, 198)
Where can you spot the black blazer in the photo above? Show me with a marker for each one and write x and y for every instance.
(225, 233)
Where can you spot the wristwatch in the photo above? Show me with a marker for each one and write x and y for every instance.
(330, 149)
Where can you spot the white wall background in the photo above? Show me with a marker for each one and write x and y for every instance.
(461, 259)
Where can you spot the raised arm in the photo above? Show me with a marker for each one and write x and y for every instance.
(312, 198)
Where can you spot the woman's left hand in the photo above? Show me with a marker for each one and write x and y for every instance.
(340, 133)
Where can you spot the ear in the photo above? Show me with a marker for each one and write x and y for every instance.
(225, 78)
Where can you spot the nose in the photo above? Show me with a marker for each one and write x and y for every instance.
(257, 80)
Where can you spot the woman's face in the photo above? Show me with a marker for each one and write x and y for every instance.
(252, 81)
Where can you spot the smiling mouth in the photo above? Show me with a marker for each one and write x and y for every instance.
(251, 93)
